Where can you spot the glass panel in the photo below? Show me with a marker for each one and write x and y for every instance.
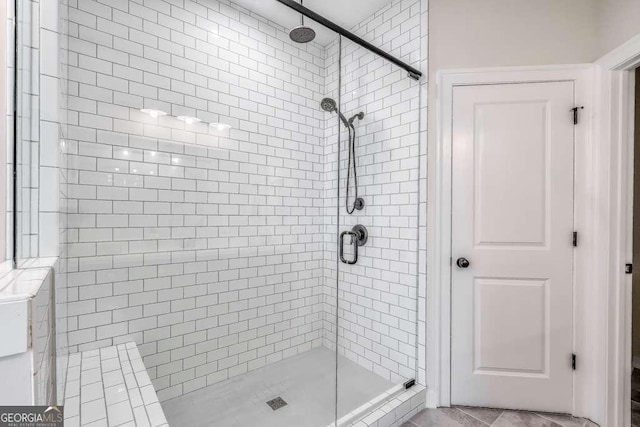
(62, 311)
(196, 189)
(378, 189)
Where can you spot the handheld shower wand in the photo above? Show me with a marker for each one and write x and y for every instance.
(329, 105)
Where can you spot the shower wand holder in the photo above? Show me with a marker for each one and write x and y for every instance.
(359, 235)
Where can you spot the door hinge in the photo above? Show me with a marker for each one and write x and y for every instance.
(575, 238)
(573, 362)
(575, 114)
(628, 269)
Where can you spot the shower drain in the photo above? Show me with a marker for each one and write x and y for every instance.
(276, 403)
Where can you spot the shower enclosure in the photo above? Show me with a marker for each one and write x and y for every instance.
(245, 207)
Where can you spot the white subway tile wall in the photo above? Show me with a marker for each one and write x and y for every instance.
(203, 246)
(377, 297)
(215, 250)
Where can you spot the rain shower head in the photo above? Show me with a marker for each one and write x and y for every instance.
(302, 33)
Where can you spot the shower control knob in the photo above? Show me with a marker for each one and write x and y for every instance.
(360, 234)
(463, 263)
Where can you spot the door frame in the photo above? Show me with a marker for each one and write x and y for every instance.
(439, 216)
(614, 128)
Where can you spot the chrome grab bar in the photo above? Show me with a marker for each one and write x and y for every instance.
(355, 255)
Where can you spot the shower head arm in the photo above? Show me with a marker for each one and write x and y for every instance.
(346, 122)
(302, 33)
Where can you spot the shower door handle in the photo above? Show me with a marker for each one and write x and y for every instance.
(355, 255)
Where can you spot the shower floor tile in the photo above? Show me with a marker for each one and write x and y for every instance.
(305, 382)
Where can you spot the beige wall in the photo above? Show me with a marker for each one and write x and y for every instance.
(472, 33)
(618, 21)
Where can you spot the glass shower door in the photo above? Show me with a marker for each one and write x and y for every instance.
(376, 196)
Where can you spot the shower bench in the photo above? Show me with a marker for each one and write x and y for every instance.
(110, 387)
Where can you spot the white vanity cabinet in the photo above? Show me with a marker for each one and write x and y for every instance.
(27, 338)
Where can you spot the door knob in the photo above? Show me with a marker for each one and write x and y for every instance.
(463, 263)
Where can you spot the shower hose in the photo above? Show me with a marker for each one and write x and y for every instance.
(352, 165)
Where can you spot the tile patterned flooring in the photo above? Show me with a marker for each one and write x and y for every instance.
(482, 417)
(635, 398)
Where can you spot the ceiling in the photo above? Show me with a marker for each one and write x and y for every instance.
(346, 13)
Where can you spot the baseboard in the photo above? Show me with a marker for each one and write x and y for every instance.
(432, 398)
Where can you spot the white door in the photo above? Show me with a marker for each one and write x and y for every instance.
(512, 219)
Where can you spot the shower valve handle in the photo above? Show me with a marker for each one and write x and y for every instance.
(355, 253)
